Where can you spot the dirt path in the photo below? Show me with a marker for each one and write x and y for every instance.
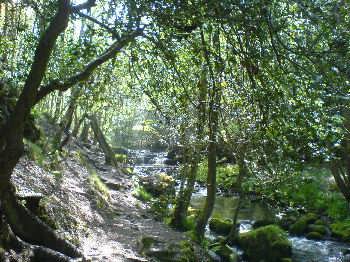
(109, 232)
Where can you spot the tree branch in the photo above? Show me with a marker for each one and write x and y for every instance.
(113, 32)
(88, 4)
(89, 68)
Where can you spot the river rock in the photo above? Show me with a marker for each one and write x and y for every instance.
(263, 222)
(157, 185)
(120, 150)
(314, 236)
(301, 225)
(168, 252)
(224, 252)
(220, 226)
(268, 243)
(322, 230)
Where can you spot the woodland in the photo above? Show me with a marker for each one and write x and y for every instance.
(175, 130)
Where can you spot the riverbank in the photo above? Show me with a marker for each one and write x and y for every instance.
(93, 206)
(251, 211)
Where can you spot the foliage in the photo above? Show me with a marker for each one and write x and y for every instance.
(341, 229)
(226, 174)
(310, 189)
(121, 158)
(35, 152)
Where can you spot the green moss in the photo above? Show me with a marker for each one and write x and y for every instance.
(220, 226)
(314, 235)
(320, 222)
(341, 230)
(2, 254)
(224, 251)
(187, 252)
(263, 222)
(322, 230)
(128, 171)
(97, 184)
(35, 152)
(269, 243)
(142, 194)
(300, 227)
(121, 158)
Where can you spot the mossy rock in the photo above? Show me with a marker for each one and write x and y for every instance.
(268, 243)
(287, 221)
(224, 252)
(341, 230)
(286, 259)
(220, 226)
(263, 222)
(320, 222)
(314, 236)
(300, 227)
(322, 230)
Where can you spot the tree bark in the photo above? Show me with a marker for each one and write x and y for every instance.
(213, 122)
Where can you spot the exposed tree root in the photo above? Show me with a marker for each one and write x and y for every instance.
(43, 240)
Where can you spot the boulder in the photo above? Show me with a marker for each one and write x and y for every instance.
(322, 230)
(223, 251)
(314, 236)
(263, 222)
(301, 225)
(160, 250)
(220, 226)
(160, 184)
(120, 150)
(268, 243)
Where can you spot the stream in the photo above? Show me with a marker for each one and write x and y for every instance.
(147, 163)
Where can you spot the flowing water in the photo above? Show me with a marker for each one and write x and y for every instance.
(304, 250)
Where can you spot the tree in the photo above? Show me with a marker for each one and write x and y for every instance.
(22, 222)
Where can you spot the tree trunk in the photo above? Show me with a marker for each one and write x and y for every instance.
(109, 155)
(85, 132)
(77, 125)
(66, 122)
(234, 233)
(213, 122)
(184, 198)
(341, 168)
(211, 190)
(30, 229)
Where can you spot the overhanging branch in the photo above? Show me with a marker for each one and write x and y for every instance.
(89, 68)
